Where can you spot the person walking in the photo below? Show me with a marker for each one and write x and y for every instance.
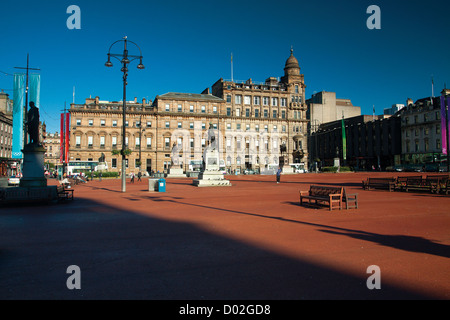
(139, 176)
(132, 177)
(279, 174)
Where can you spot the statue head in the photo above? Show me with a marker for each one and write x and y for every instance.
(32, 104)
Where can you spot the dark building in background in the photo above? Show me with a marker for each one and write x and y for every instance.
(371, 143)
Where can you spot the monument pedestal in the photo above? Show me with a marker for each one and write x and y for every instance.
(211, 175)
(176, 173)
(33, 185)
(33, 166)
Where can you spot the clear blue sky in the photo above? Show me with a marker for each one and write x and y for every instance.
(187, 47)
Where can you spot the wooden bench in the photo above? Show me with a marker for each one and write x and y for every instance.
(64, 194)
(438, 183)
(326, 194)
(379, 183)
(417, 183)
(446, 187)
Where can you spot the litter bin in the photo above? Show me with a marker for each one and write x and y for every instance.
(161, 185)
(153, 184)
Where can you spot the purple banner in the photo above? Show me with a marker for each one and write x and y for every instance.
(443, 124)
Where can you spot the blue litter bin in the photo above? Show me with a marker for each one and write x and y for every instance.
(161, 185)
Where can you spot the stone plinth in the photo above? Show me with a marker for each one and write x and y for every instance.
(33, 166)
(176, 173)
(211, 176)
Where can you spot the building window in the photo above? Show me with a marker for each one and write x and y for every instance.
(274, 114)
(228, 126)
(167, 124)
(191, 109)
(203, 109)
(283, 102)
(137, 142)
(149, 124)
(102, 123)
(180, 125)
(238, 99)
(265, 101)
(247, 112)
(102, 142)
(266, 113)
(256, 100)
(114, 163)
(90, 141)
(167, 107)
(228, 98)
(228, 112)
(275, 102)
(247, 100)
(77, 141)
(256, 113)
(114, 123)
(78, 122)
(149, 142)
(167, 143)
(91, 122)
(214, 109)
(238, 112)
(180, 108)
(283, 114)
(114, 141)
(191, 125)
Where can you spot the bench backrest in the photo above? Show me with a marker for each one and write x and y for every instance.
(383, 180)
(324, 190)
(441, 177)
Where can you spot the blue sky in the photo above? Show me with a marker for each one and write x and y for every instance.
(187, 47)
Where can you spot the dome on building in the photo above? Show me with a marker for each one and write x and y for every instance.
(292, 61)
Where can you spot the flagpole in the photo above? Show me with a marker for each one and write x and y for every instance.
(232, 67)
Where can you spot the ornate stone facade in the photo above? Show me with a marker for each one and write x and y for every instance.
(251, 121)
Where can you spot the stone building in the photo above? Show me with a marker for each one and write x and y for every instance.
(52, 145)
(324, 107)
(369, 143)
(421, 133)
(251, 120)
(6, 131)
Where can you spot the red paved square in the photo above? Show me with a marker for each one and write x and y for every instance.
(249, 241)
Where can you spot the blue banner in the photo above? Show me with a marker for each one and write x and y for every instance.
(18, 114)
(35, 89)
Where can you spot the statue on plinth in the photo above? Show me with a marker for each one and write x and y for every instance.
(33, 124)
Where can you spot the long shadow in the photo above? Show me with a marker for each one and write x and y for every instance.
(407, 243)
(344, 184)
(123, 254)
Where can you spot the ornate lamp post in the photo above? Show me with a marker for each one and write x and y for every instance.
(124, 58)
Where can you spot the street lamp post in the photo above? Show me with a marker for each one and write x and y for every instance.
(125, 61)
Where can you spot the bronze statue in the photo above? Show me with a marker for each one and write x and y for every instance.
(33, 124)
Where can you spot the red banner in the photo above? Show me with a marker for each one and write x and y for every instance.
(66, 132)
(61, 140)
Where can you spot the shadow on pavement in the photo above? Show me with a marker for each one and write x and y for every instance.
(125, 255)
